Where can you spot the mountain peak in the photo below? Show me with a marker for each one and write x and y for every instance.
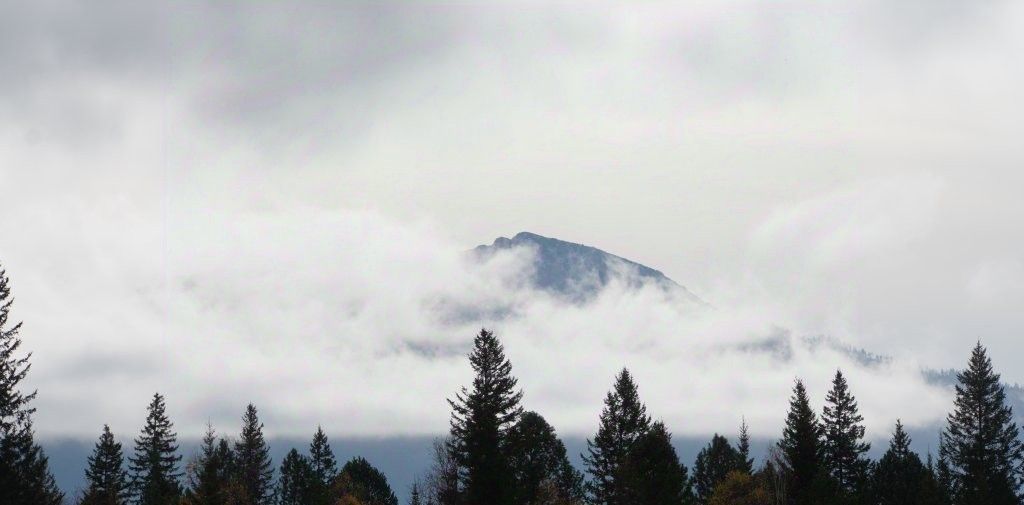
(579, 272)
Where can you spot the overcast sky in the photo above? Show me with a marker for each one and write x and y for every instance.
(268, 201)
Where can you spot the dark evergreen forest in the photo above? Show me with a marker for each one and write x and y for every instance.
(496, 453)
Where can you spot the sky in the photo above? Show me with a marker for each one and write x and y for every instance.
(270, 202)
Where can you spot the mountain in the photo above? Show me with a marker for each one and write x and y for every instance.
(579, 272)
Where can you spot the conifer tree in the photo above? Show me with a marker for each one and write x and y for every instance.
(252, 460)
(944, 476)
(414, 495)
(154, 466)
(801, 448)
(25, 478)
(623, 420)
(106, 477)
(713, 464)
(323, 465)
(481, 418)
(844, 450)
(360, 480)
(537, 458)
(210, 473)
(746, 463)
(981, 441)
(900, 478)
(652, 474)
(297, 482)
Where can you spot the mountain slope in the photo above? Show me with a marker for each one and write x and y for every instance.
(579, 272)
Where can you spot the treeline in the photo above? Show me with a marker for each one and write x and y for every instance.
(498, 454)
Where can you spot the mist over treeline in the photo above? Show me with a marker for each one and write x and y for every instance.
(498, 453)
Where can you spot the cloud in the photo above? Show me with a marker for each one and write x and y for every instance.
(234, 201)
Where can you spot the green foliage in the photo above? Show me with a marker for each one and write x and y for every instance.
(360, 480)
(651, 473)
(537, 459)
(324, 467)
(714, 462)
(623, 420)
(25, 477)
(252, 463)
(154, 466)
(211, 472)
(745, 463)
(981, 441)
(481, 419)
(900, 478)
(297, 482)
(801, 448)
(106, 478)
(844, 450)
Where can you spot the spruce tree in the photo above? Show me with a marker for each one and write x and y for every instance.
(713, 464)
(538, 459)
(106, 478)
(154, 466)
(414, 495)
(844, 450)
(900, 478)
(323, 465)
(801, 448)
(296, 484)
(651, 473)
(210, 473)
(252, 460)
(481, 418)
(623, 420)
(746, 463)
(981, 440)
(25, 478)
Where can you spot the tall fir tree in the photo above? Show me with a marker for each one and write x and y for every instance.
(801, 449)
(651, 473)
(746, 463)
(25, 477)
(844, 451)
(623, 420)
(538, 461)
(211, 471)
(713, 464)
(414, 495)
(154, 466)
(324, 467)
(297, 480)
(900, 478)
(106, 478)
(481, 419)
(981, 440)
(253, 468)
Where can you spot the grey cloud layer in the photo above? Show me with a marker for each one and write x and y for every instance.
(291, 184)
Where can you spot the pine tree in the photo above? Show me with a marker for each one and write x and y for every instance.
(623, 420)
(414, 495)
(481, 418)
(297, 483)
(154, 466)
(801, 448)
(651, 473)
(944, 476)
(323, 465)
(210, 473)
(713, 464)
(537, 459)
(252, 460)
(25, 478)
(900, 478)
(360, 480)
(844, 450)
(106, 478)
(746, 463)
(981, 440)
